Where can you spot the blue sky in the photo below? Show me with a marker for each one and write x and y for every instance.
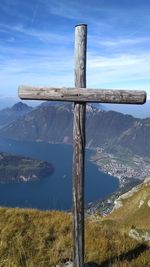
(37, 43)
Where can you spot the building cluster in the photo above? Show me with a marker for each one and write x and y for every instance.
(122, 167)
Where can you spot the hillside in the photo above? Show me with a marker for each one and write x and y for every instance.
(133, 207)
(44, 123)
(35, 238)
(137, 138)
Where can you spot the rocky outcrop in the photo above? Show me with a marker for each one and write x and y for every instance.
(119, 201)
(70, 264)
(140, 235)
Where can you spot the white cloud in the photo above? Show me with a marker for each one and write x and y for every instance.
(124, 71)
(43, 67)
(67, 9)
(43, 36)
(122, 41)
(116, 61)
(54, 66)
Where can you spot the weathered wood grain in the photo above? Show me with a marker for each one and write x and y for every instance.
(79, 147)
(80, 95)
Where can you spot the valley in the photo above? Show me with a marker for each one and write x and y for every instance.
(119, 143)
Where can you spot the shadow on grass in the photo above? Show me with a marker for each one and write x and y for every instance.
(129, 256)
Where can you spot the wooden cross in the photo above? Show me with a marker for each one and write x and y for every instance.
(80, 96)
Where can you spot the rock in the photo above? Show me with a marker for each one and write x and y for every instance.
(70, 264)
(139, 235)
(67, 264)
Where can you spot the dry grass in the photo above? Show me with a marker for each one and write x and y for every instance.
(31, 238)
(133, 212)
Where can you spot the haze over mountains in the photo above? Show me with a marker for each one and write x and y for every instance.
(138, 111)
(50, 122)
(9, 115)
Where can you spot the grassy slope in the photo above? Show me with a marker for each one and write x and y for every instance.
(34, 238)
(135, 209)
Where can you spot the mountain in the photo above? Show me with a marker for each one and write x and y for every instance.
(114, 131)
(48, 123)
(54, 124)
(9, 115)
(58, 103)
(21, 108)
(137, 111)
(7, 102)
(99, 106)
(54, 103)
(137, 138)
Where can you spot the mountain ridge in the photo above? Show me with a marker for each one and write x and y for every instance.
(111, 130)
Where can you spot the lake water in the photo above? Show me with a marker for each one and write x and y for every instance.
(55, 191)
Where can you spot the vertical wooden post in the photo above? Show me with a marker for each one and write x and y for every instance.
(79, 146)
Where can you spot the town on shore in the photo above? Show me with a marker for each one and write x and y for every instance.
(122, 166)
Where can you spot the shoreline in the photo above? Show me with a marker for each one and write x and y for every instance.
(123, 167)
(120, 166)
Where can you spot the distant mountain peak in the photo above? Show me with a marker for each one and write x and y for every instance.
(99, 106)
(20, 107)
(93, 109)
(9, 115)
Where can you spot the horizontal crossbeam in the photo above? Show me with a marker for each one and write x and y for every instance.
(82, 95)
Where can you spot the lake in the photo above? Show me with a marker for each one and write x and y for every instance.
(54, 191)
